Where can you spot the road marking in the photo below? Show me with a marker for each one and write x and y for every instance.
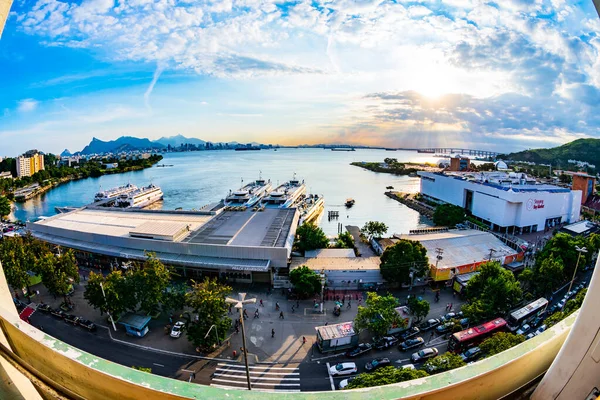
(158, 365)
(255, 389)
(401, 361)
(257, 372)
(330, 377)
(187, 370)
(257, 366)
(256, 383)
(256, 377)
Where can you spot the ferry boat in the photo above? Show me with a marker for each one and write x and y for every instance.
(310, 206)
(140, 198)
(249, 194)
(114, 192)
(350, 202)
(285, 195)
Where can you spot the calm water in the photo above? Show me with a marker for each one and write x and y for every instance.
(199, 178)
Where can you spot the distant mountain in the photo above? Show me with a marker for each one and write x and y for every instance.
(587, 150)
(66, 153)
(176, 141)
(124, 143)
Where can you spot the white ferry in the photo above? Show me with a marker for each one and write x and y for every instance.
(114, 192)
(285, 195)
(249, 194)
(310, 207)
(140, 198)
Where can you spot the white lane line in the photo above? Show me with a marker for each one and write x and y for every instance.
(401, 361)
(255, 389)
(158, 365)
(256, 377)
(236, 371)
(257, 366)
(257, 383)
(330, 377)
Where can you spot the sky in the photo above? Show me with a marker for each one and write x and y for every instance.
(499, 76)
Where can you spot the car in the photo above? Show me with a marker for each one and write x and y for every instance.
(43, 307)
(345, 383)
(471, 355)
(523, 329)
(410, 332)
(540, 329)
(536, 322)
(444, 327)
(412, 343)
(361, 349)
(464, 322)
(177, 329)
(408, 366)
(343, 368)
(530, 336)
(424, 354)
(552, 309)
(58, 313)
(447, 316)
(562, 303)
(377, 363)
(86, 323)
(385, 342)
(70, 318)
(430, 323)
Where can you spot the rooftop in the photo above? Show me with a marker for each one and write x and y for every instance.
(330, 253)
(328, 332)
(338, 263)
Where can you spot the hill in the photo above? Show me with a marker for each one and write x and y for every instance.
(124, 143)
(176, 141)
(66, 153)
(587, 150)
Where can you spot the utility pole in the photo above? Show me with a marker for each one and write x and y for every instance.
(579, 250)
(492, 251)
(108, 312)
(439, 257)
(239, 304)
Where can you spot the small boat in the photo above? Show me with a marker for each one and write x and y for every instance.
(389, 187)
(350, 202)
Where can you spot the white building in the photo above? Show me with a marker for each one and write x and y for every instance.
(508, 202)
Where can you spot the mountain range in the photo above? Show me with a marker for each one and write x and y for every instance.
(587, 150)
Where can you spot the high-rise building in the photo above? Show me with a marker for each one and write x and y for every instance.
(29, 163)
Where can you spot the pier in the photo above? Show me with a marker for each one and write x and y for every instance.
(332, 215)
(455, 150)
(408, 200)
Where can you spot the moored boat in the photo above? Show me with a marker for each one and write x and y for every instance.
(250, 194)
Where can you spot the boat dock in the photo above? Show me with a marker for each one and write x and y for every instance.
(408, 200)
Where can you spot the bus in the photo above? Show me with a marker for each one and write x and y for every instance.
(527, 313)
(471, 337)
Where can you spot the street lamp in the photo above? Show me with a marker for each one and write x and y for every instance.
(216, 332)
(579, 250)
(323, 280)
(239, 304)
(108, 312)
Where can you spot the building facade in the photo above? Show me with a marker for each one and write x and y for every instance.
(29, 163)
(512, 203)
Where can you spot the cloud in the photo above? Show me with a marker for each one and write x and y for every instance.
(27, 105)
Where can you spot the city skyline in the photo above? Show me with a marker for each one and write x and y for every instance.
(466, 73)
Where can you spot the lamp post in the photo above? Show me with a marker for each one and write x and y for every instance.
(579, 250)
(108, 312)
(239, 304)
(323, 280)
(216, 333)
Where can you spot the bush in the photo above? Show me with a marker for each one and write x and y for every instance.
(448, 215)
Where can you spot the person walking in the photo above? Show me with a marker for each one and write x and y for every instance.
(277, 306)
(281, 315)
(297, 303)
(245, 314)
(303, 339)
(293, 309)
(229, 311)
(272, 333)
(348, 304)
(261, 303)
(256, 313)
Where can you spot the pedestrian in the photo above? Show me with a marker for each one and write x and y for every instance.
(256, 313)
(229, 312)
(359, 301)
(348, 304)
(447, 305)
(314, 302)
(276, 306)
(17, 295)
(293, 309)
(343, 300)
(237, 329)
(272, 333)
(297, 303)
(261, 303)
(245, 314)
(171, 320)
(303, 339)
(450, 308)
(326, 323)
(281, 315)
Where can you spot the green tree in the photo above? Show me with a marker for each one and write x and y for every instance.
(310, 237)
(385, 376)
(374, 229)
(444, 362)
(5, 207)
(207, 300)
(555, 318)
(120, 296)
(548, 275)
(15, 261)
(59, 273)
(344, 241)
(448, 215)
(499, 342)
(149, 282)
(378, 314)
(390, 161)
(564, 178)
(562, 246)
(419, 308)
(306, 281)
(173, 298)
(494, 291)
(404, 257)
(527, 279)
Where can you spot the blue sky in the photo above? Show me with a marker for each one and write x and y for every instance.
(493, 75)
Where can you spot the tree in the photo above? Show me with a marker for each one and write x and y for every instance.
(419, 308)
(444, 362)
(378, 314)
(149, 282)
(527, 279)
(207, 300)
(5, 208)
(390, 161)
(344, 241)
(310, 237)
(173, 298)
(15, 261)
(499, 342)
(306, 281)
(562, 246)
(448, 215)
(374, 229)
(404, 257)
(564, 178)
(119, 293)
(494, 291)
(548, 275)
(385, 376)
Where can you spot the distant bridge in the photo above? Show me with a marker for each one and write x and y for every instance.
(455, 150)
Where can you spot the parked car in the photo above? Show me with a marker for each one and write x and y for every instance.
(58, 313)
(177, 329)
(445, 327)
(464, 322)
(447, 316)
(523, 329)
(552, 309)
(72, 319)
(430, 323)
(424, 354)
(540, 329)
(361, 349)
(345, 383)
(377, 363)
(86, 323)
(408, 366)
(344, 368)
(43, 307)
(410, 332)
(412, 343)
(385, 342)
(536, 322)
(562, 303)
(471, 355)
(530, 336)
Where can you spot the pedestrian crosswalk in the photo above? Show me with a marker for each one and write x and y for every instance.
(262, 377)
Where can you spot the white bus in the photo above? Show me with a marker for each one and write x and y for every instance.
(526, 314)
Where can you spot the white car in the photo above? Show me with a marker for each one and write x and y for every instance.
(346, 368)
(540, 329)
(408, 366)
(177, 329)
(345, 383)
(523, 330)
